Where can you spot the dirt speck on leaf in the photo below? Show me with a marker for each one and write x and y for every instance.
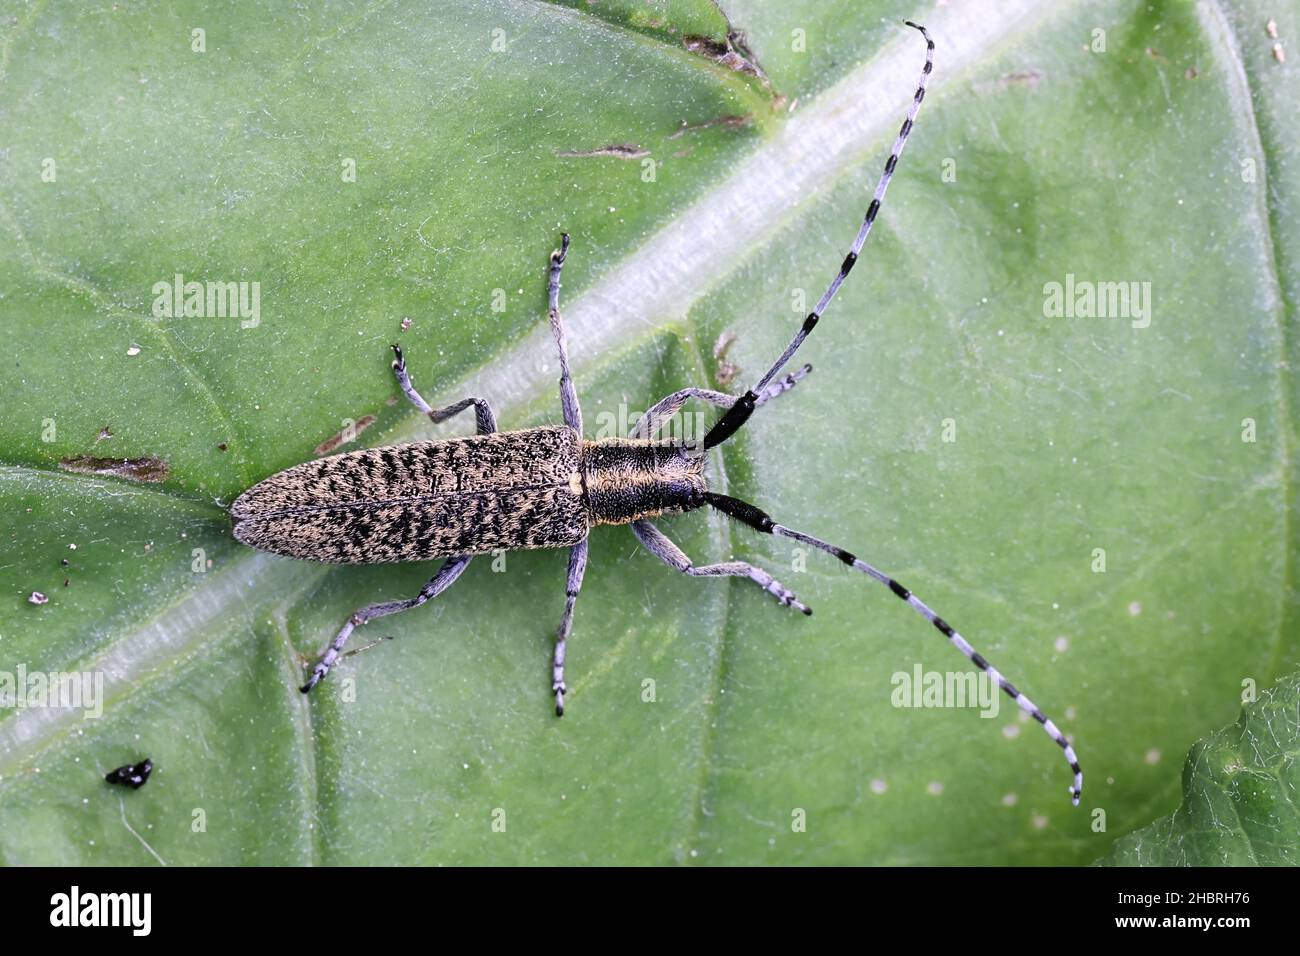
(615, 150)
(150, 469)
(1026, 78)
(346, 435)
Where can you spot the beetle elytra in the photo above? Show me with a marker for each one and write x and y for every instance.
(547, 487)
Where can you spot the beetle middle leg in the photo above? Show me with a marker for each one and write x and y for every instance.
(485, 421)
(649, 424)
(662, 547)
(449, 572)
(577, 568)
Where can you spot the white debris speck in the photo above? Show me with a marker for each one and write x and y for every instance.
(1152, 756)
(1062, 645)
(1134, 608)
(133, 350)
(879, 786)
(1010, 800)
(934, 788)
(1011, 731)
(1040, 822)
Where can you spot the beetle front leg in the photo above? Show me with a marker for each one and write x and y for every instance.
(577, 567)
(448, 573)
(649, 424)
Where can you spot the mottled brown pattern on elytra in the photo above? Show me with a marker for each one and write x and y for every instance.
(422, 500)
(540, 488)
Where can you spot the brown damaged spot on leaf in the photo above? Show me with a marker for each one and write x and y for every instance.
(733, 54)
(730, 122)
(616, 150)
(148, 469)
(726, 370)
(346, 435)
(724, 54)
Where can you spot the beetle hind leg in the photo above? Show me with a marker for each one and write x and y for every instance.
(485, 422)
(448, 573)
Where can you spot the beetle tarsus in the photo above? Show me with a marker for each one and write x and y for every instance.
(558, 255)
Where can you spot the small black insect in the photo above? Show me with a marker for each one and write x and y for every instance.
(133, 775)
(547, 487)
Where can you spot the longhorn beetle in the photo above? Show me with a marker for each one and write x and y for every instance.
(547, 487)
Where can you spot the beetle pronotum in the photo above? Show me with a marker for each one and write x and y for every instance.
(547, 487)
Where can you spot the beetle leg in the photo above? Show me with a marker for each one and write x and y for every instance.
(484, 420)
(485, 423)
(649, 424)
(448, 573)
(568, 393)
(577, 567)
(662, 547)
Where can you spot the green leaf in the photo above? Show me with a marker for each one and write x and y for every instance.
(1170, 158)
(1239, 795)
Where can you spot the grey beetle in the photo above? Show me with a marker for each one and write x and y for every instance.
(547, 487)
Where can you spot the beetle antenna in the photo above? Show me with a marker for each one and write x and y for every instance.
(757, 519)
(739, 413)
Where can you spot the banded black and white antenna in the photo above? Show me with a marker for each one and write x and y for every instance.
(744, 406)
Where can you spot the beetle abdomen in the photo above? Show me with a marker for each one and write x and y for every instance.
(422, 500)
